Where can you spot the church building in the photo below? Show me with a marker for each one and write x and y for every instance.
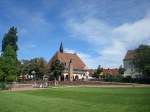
(75, 68)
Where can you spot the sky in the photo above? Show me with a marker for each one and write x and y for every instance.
(99, 31)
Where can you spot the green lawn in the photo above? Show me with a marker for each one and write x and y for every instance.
(77, 100)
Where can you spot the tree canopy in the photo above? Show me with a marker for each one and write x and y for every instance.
(142, 60)
(8, 59)
(8, 64)
(11, 39)
(98, 72)
(38, 65)
(121, 70)
(56, 69)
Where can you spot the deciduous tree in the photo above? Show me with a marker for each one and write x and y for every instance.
(8, 64)
(121, 70)
(142, 60)
(98, 72)
(56, 70)
(39, 65)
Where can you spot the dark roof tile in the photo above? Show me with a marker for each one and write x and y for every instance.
(130, 55)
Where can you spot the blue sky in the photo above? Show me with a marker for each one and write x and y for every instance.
(99, 31)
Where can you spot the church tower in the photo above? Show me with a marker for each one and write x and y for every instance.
(61, 49)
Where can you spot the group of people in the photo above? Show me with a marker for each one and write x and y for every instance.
(40, 84)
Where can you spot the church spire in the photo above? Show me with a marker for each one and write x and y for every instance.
(61, 49)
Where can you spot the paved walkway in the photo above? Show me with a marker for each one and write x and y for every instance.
(21, 89)
(105, 86)
(68, 86)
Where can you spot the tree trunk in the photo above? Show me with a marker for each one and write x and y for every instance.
(55, 82)
(59, 78)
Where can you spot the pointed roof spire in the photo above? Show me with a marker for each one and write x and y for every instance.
(61, 49)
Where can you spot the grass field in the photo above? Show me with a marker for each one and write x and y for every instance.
(77, 100)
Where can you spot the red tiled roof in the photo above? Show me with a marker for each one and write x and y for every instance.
(130, 55)
(113, 72)
(65, 58)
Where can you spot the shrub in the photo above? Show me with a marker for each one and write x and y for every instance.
(10, 78)
(127, 79)
(2, 85)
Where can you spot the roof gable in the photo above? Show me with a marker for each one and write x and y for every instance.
(65, 58)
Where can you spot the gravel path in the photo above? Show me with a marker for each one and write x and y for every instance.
(105, 86)
(68, 86)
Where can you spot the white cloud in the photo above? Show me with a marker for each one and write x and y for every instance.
(111, 43)
(88, 60)
(137, 32)
(90, 29)
(70, 50)
(112, 55)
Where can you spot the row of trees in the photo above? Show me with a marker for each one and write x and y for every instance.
(37, 67)
(11, 68)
